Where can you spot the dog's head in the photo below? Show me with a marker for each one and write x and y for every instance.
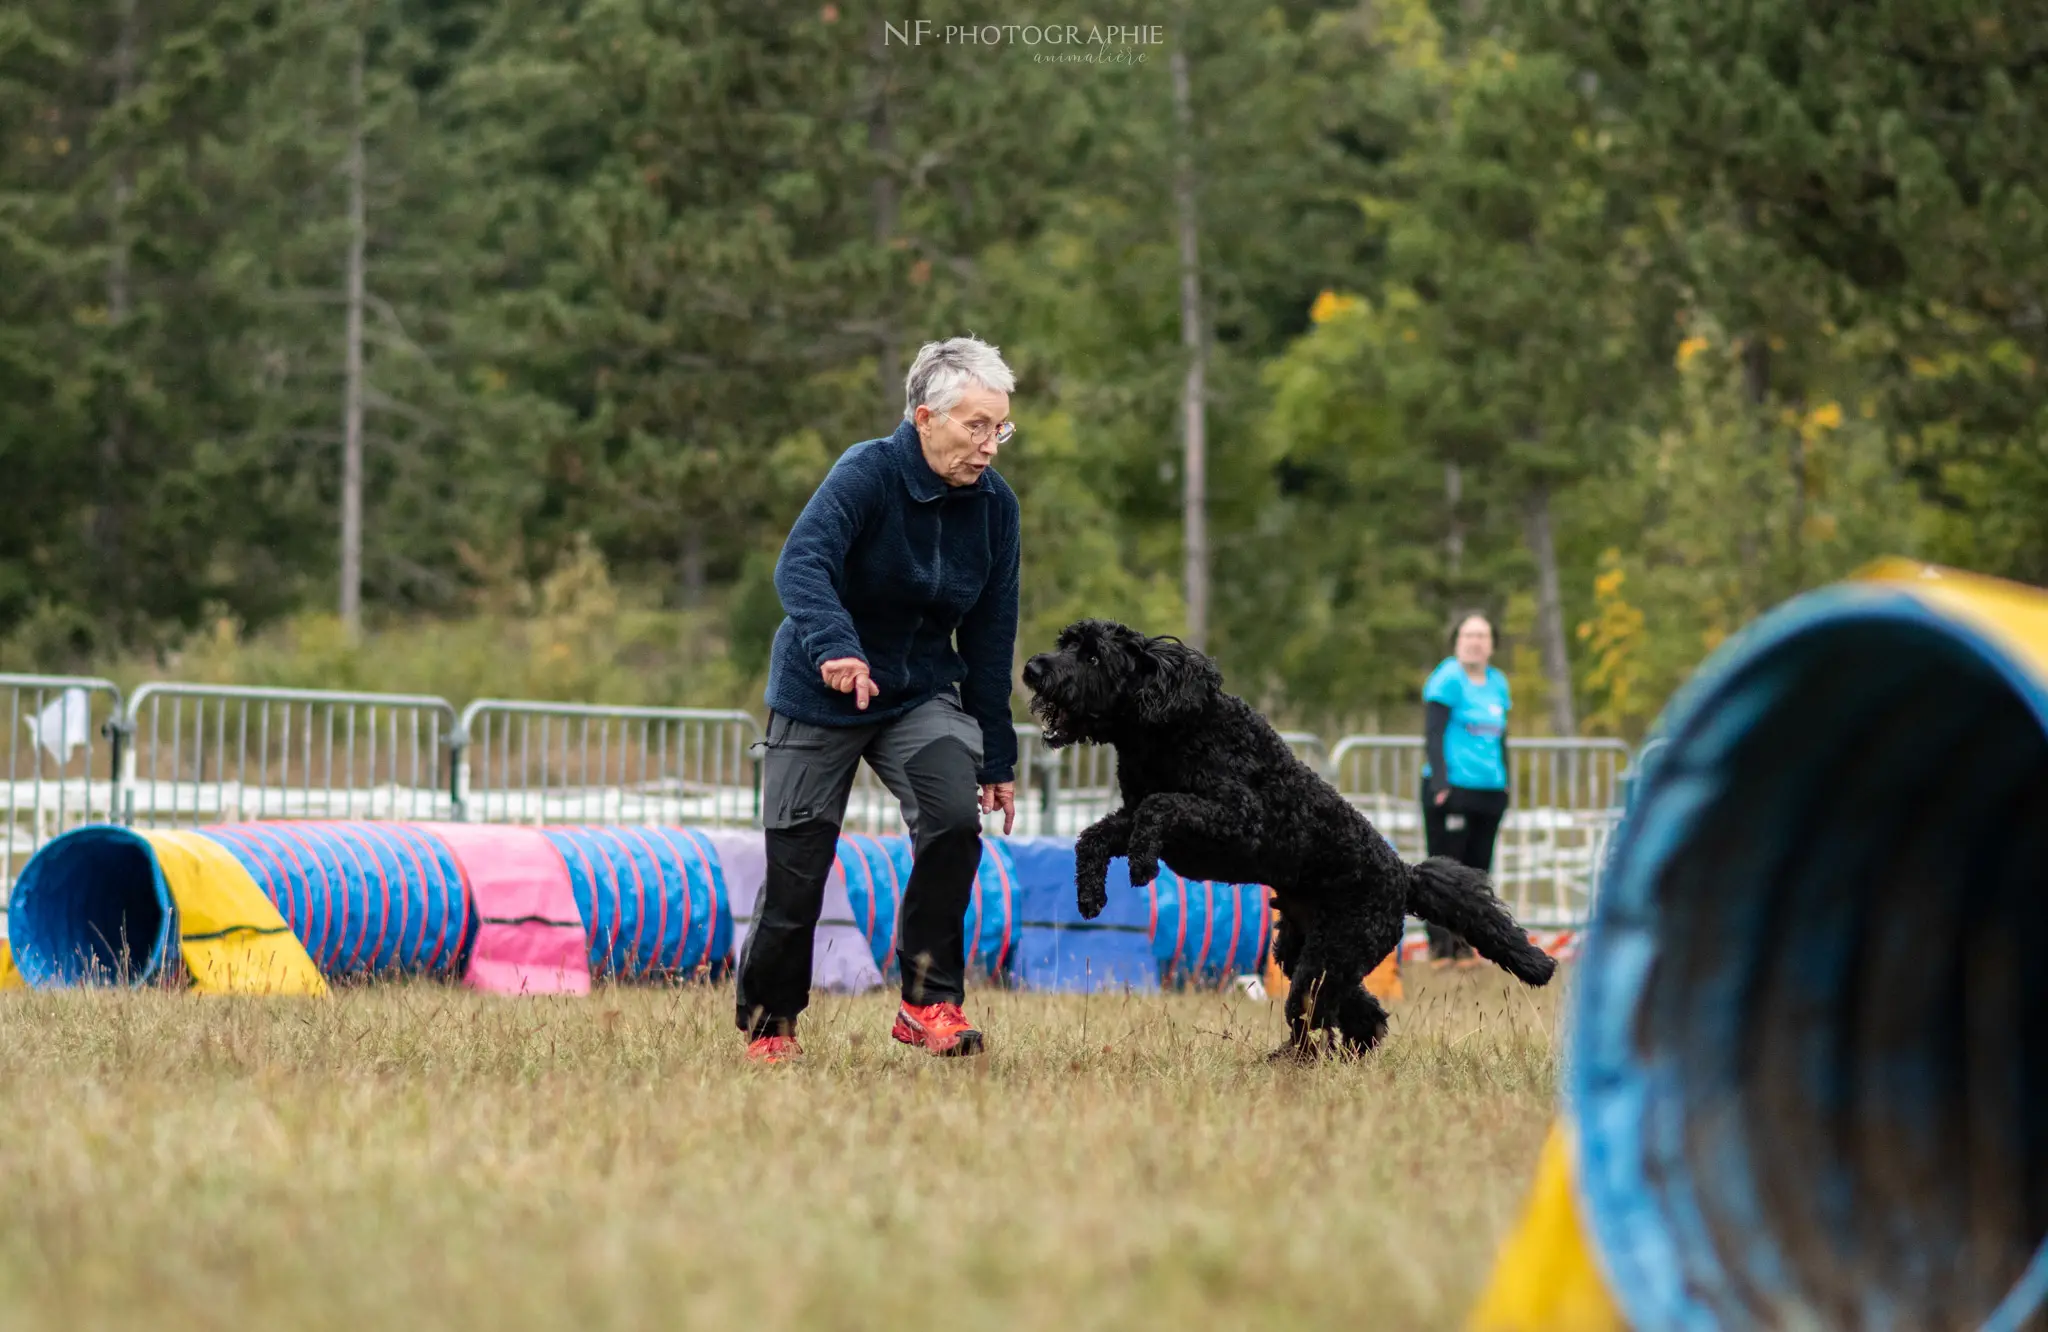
(1104, 677)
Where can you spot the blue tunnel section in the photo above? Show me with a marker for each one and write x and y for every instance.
(875, 879)
(653, 899)
(1059, 950)
(877, 871)
(1205, 933)
(1808, 1067)
(364, 898)
(98, 910)
(1173, 931)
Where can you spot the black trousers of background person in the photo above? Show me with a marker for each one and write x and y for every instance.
(1479, 814)
(928, 760)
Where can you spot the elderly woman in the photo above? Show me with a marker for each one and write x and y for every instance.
(899, 582)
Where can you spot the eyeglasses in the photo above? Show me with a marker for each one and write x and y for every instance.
(980, 433)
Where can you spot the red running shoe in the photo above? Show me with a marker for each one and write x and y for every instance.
(940, 1028)
(773, 1050)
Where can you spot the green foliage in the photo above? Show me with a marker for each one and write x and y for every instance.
(1737, 509)
(573, 635)
(1677, 309)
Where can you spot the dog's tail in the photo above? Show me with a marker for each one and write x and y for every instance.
(1457, 897)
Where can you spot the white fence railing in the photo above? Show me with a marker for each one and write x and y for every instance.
(61, 755)
(183, 754)
(221, 754)
(528, 762)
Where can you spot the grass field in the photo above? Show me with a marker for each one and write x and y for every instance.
(419, 1157)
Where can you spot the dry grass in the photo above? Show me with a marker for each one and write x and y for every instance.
(416, 1157)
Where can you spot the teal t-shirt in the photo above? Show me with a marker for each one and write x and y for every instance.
(1479, 717)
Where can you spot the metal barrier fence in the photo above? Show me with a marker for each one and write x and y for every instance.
(1565, 800)
(62, 757)
(189, 754)
(526, 762)
(218, 753)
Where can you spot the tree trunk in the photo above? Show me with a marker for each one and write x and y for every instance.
(109, 518)
(882, 197)
(1454, 536)
(1194, 442)
(1557, 665)
(1750, 548)
(1795, 522)
(352, 390)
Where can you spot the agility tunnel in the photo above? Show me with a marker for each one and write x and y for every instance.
(1806, 1070)
(284, 907)
(534, 910)
(288, 906)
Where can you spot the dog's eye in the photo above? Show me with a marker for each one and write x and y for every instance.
(1094, 661)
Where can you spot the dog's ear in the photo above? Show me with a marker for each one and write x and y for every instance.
(1178, 681)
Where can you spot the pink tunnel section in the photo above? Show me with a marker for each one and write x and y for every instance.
(529, 933)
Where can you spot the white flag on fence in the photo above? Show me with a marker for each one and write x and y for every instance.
(62, 726)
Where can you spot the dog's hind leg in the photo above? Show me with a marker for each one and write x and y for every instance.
(1288, 939)
(1326, 994)
(1361, 1022)
(1327, 1002)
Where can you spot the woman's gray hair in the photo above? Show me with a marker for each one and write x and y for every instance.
(943, 371)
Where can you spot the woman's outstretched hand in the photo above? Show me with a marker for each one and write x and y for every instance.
(1001, 796)
(849, 675)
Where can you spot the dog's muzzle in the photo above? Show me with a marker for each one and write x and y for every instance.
(1052, 724)
(1041, 672)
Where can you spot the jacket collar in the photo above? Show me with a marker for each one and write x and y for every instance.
(924, 484)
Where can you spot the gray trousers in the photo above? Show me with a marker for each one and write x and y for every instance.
(928, 759)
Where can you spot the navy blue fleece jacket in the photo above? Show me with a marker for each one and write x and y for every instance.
(889, 563)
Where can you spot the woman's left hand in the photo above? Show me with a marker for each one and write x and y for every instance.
(1001, 796)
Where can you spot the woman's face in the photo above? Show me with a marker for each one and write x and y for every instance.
(1475, 641)
(961, 443)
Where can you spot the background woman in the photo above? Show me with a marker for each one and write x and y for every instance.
(1465, 781)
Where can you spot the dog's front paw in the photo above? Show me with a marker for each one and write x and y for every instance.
(1144, 868)
(1091, 898)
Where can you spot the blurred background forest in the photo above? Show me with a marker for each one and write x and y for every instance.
(490, 346)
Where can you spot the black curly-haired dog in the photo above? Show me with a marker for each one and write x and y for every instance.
(1211, 789)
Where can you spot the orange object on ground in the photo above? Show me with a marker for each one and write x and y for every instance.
(1383, 983)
